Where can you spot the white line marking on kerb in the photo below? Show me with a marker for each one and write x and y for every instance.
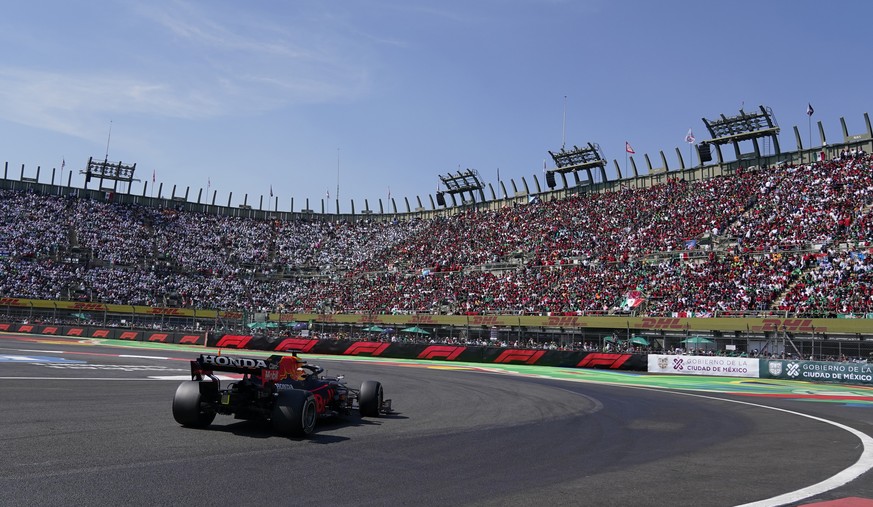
(863, 465)
(142, 357)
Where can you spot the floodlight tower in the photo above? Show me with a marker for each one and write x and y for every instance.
(466, 181)
(743, 127)
(106, 170)
(575, 160)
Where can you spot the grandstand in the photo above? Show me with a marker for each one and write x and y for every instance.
(764, 253)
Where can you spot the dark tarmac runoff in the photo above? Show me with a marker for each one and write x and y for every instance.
(91, 424)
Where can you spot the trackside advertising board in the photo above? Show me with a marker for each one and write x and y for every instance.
(703, 365)
(818, 371)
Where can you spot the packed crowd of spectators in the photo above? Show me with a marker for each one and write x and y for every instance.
(841, 283)
(791, 239)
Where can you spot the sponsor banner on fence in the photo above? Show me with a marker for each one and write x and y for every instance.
(461, 353)
(112, 333)
(818, 371)
(704, 365)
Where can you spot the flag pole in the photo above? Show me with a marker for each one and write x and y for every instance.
(809, 112)
(809, 129)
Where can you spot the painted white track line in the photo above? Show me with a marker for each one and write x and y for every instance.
(864, 463)
(111, 379)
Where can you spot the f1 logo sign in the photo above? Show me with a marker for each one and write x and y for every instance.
(301, 344)
(600, 360)
(372, 348)
(523, 356)
(441, 351)
(236, 341)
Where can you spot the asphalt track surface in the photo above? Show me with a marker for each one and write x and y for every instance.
(84, 422)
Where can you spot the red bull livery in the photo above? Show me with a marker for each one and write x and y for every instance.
(285, 390)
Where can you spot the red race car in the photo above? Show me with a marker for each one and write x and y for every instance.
(285, 390)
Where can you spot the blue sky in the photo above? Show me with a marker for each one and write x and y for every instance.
(302, 95)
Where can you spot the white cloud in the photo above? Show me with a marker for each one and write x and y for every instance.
(63, 102)
(188, 63)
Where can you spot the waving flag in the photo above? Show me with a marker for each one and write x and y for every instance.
(628, 148)
(809, 109)
(689, 137)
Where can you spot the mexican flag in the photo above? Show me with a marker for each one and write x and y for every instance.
(632, 299)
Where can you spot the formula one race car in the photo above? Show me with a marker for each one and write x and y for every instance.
(285, 390)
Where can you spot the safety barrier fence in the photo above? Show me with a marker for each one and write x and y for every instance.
(786, 369)
(183, 338)
(461, 353)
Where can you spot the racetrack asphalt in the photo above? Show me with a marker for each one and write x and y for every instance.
(85, 422)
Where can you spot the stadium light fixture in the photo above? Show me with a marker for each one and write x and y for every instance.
(461, 183)
(577, 159)
(106, 170)
(744, 127)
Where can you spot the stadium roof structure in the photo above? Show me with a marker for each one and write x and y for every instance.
(466, 181)
(743, 127)
(575, 160)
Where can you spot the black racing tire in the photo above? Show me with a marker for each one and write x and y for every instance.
(294, 413)
(370, 399)
(188, 406)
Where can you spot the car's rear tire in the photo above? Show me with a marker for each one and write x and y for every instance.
(295, 413)
(188, 407)
(370, 399)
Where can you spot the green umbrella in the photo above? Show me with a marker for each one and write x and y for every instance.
(262, 325)
(81, 316)
(374, 329)
(414, 329)
(609, 339)
(639, 340)
(696, 340)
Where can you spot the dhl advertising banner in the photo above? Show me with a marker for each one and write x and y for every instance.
(704, 365)
(676, 324)
(818, 371)
(117, 309)
(679, 323)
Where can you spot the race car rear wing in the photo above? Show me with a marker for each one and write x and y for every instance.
(275, 366)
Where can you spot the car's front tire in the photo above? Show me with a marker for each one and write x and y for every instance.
(370, 398)
(294, 413)
(188, 407)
